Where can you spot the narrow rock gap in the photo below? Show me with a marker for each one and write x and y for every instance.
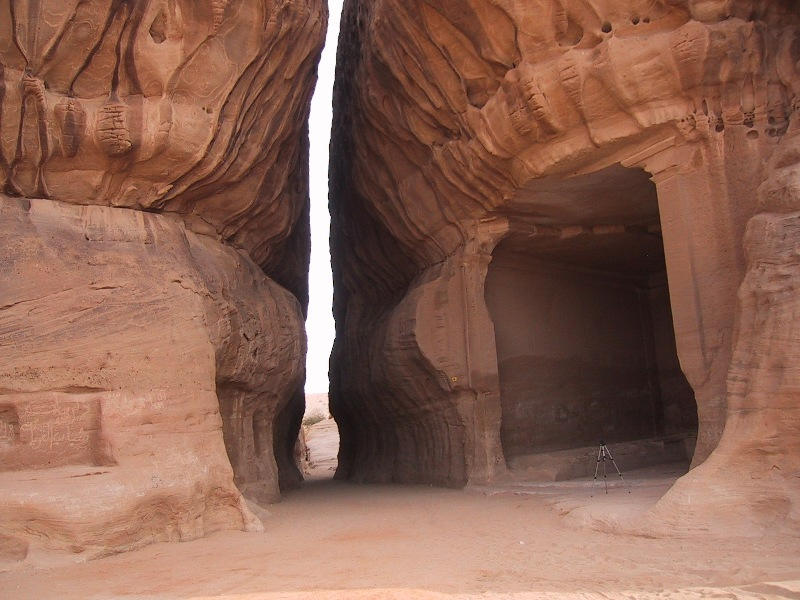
(319, 437)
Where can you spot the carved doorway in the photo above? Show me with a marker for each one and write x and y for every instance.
(579, 298)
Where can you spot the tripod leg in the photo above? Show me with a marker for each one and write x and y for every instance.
(605, 478)
(613, 462)
(596, 467)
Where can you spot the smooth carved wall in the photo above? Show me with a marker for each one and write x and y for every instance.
(570, 360)
(675, 395)
(460, 122)
(581, 357)
(153, 272)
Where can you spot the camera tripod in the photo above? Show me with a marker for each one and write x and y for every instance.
(602, 454)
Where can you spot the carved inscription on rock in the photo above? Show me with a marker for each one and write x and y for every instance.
(50, 432)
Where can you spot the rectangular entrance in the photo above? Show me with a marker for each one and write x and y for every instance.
(585, 346)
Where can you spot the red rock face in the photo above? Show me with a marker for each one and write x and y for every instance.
(546, 230)
(154, 242)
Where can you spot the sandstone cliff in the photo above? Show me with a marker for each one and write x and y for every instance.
(542, 212)
(154, 242)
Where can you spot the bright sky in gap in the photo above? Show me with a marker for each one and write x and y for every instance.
(319, 324)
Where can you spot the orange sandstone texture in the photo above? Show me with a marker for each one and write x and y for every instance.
(562, 220)
(154, 244)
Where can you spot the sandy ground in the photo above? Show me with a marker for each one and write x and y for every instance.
(519, 541)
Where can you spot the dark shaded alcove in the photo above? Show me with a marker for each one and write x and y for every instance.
(579, 298)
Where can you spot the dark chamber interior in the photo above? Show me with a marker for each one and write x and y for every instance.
(579, 298)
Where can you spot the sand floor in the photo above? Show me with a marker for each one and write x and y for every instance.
(338, 540)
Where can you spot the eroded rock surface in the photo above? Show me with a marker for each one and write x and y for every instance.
(154, 242)
(542, 214)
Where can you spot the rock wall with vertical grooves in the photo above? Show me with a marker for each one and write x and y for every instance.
(153, 279)
(465, 129)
